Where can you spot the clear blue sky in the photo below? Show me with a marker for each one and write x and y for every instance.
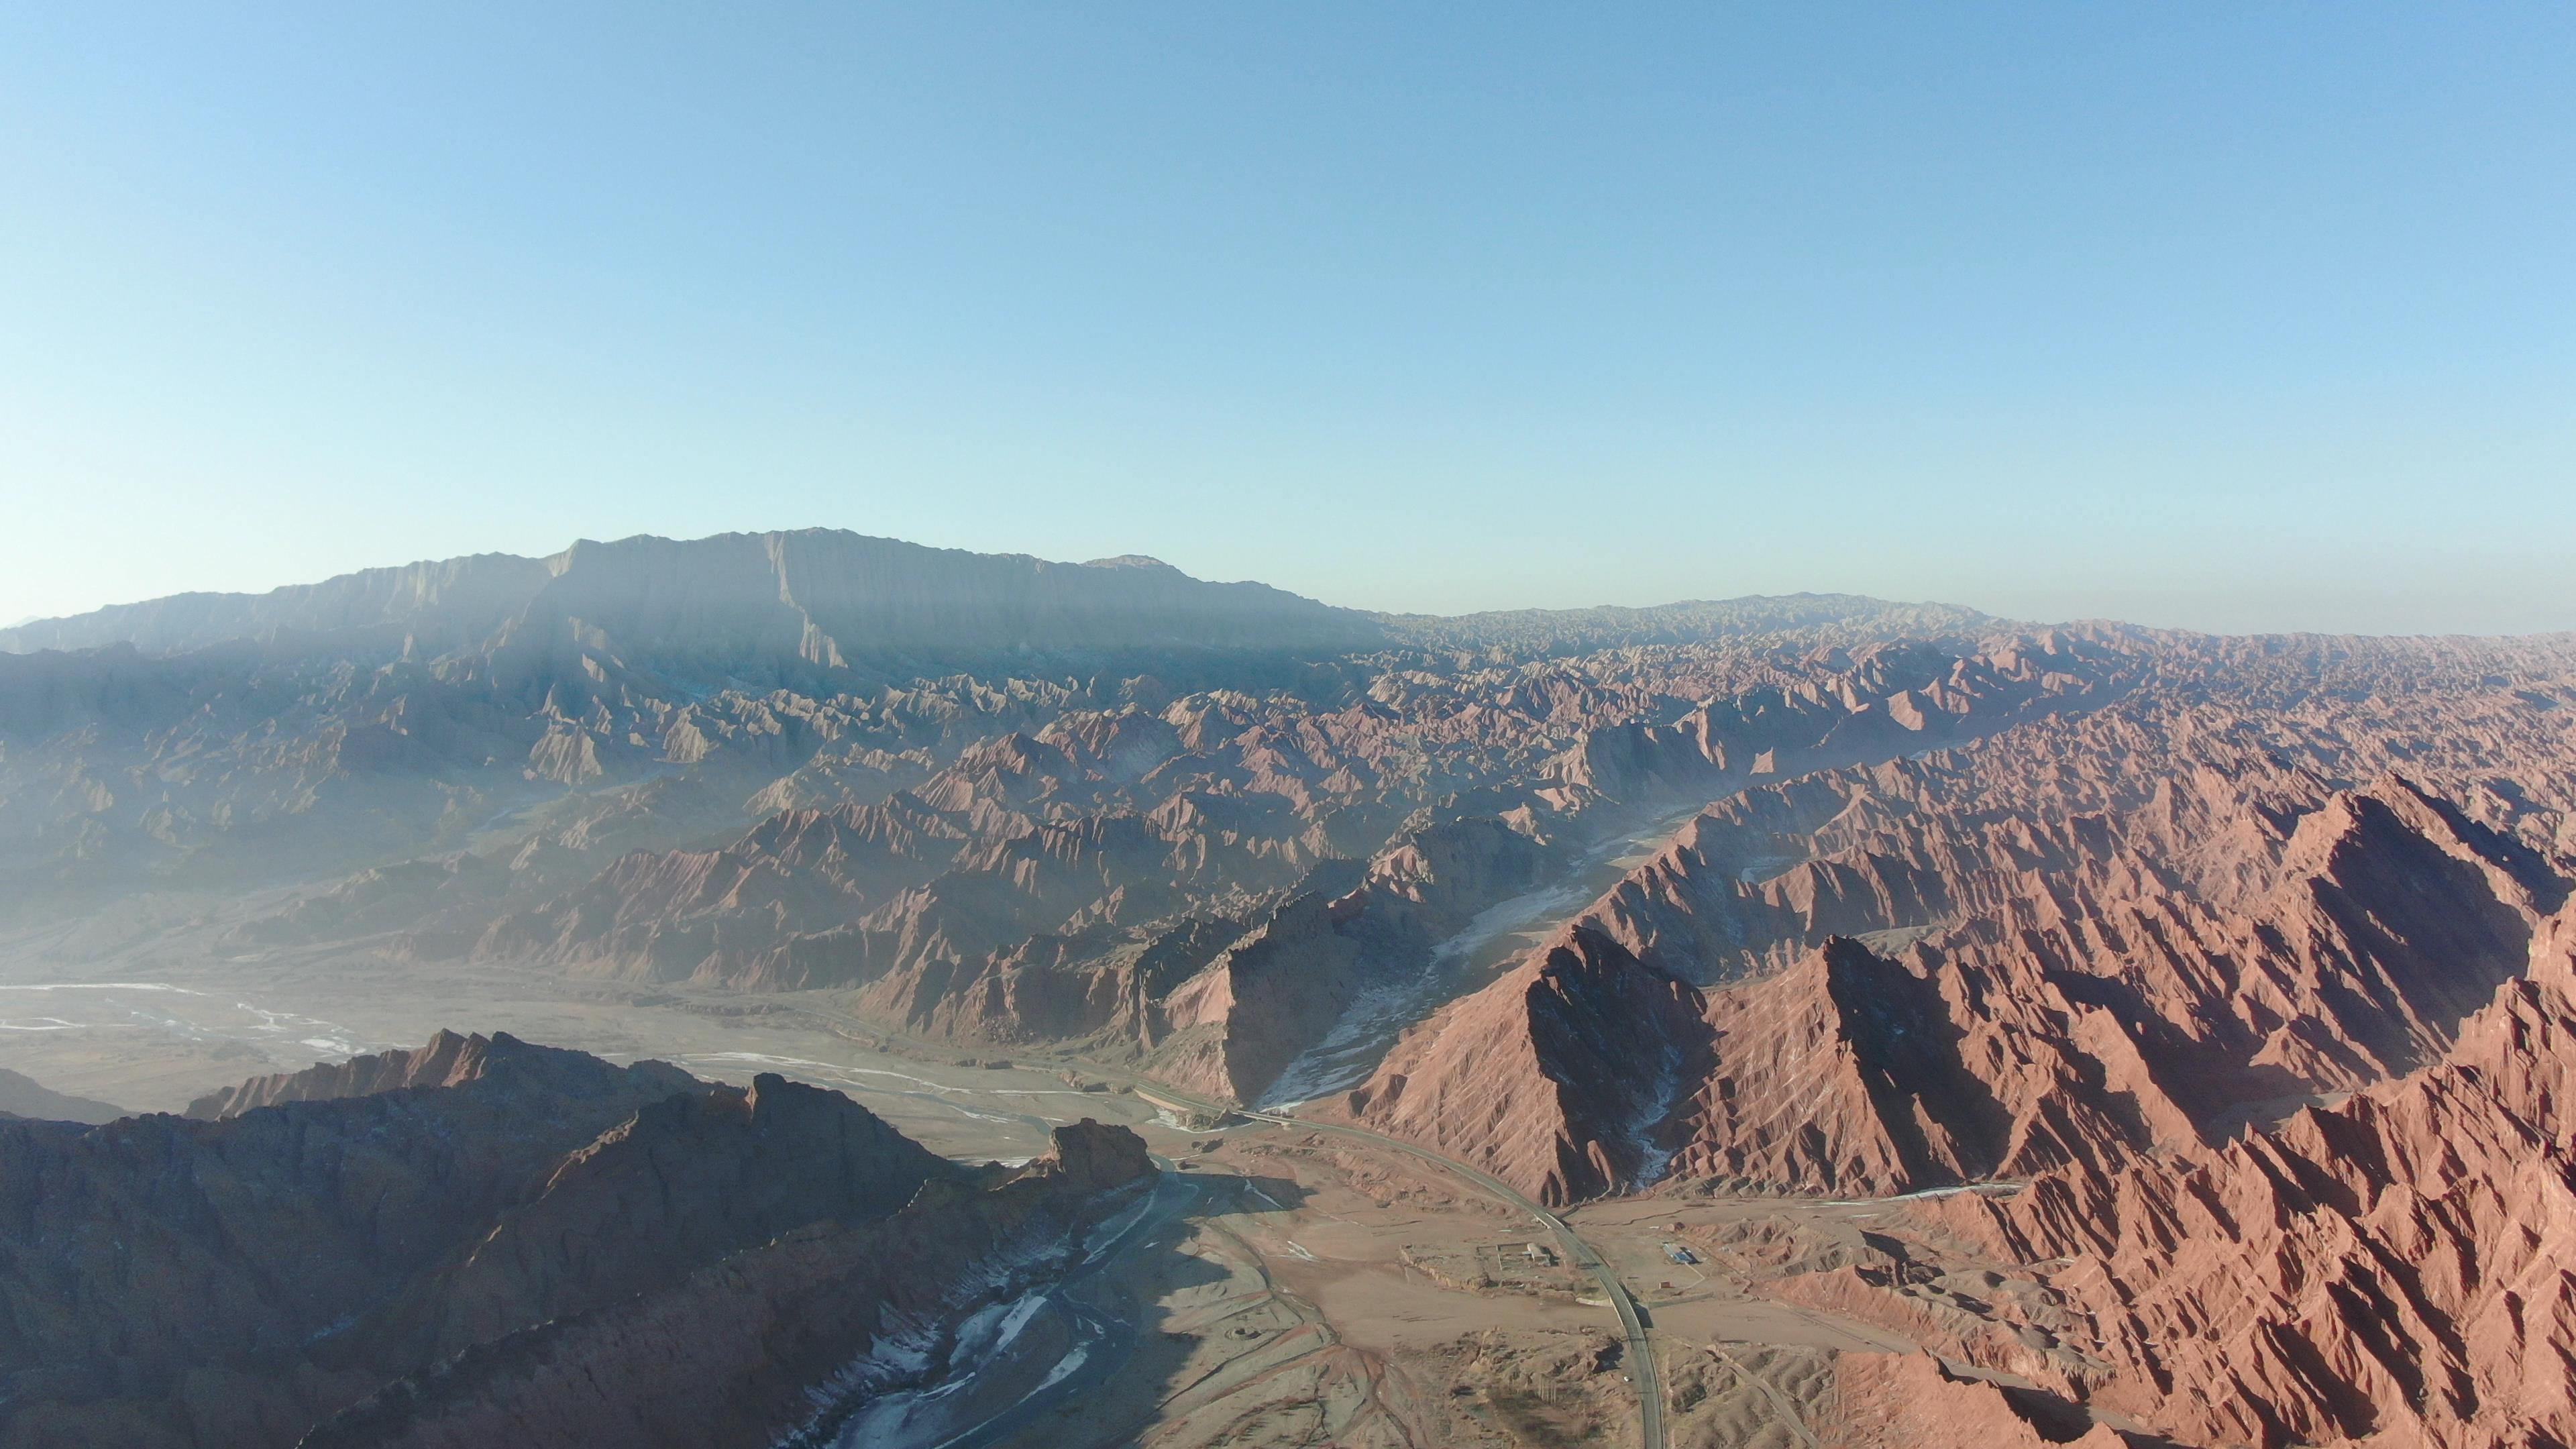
(2234, 316)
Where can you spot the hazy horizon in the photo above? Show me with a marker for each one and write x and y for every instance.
(2068, 619)
(646, 862)
(2242, 320)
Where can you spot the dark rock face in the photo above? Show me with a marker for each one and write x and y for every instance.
(451, 602)
(450, 1060)
(1088, 1157)
(764, 1341)
(179, 1282)
(2098, 907)
(169, 1281)
(1176, 883)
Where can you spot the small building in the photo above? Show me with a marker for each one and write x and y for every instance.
(1539, 1253)
(1680, 1254)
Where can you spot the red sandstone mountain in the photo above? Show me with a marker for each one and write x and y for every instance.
(1917, 1401)
(1180, 886)
(2075, 942)
(2396, 1268)
(449, 1060)
(2219, 943)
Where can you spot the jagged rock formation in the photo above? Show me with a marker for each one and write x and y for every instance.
(2214, 941)
(1200, 867)
(2395, 1268)
(2078, 941)
(448, 1060)
(1181, 883)
(743, 1349)
(1539, 1077)
(22, 1096)
(1562, 631)
(1200, 880)
(233, 1281)
(1916, 1400)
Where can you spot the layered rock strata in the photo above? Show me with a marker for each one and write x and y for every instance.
(2053, 948)
(2391, 1269)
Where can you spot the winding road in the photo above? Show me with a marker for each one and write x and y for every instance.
(1644, 1369)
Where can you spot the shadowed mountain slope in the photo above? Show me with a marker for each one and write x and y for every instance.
(336, 1233)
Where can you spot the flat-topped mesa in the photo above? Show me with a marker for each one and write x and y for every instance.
(784, 1342)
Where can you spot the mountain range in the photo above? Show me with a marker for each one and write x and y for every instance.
(462, 1242)
(2237, 961)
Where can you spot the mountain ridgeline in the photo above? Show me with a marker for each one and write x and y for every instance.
(820, 598)
(2193, 947)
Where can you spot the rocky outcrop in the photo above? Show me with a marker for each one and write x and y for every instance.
(1882, 1399)
(2394, 1268)
(1553, 1077)
(2063, 946)
(168, 1281)
(687, 1179)
(1282, 987)
(791, 1338)
(451, 1060)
